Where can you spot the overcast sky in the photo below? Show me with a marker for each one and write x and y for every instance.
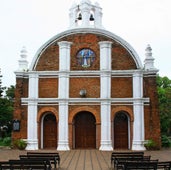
(31, 23)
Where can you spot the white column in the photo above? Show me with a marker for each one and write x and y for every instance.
(63, 93)
(63, 143)
(137, 85)
(63, 86)
(105, 83)
(106, 142)
(32, 138)
(105, 55)
(64, 55)
(138, 128)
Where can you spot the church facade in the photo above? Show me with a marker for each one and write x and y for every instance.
(86, 88)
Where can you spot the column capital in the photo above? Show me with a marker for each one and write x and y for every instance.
(64, 44)
(105, 44)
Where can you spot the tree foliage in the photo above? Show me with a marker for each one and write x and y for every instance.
(164, 94)
(1, 89)
(10, 92)
(6, 109)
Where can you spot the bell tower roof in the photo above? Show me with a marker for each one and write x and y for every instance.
(85, 15)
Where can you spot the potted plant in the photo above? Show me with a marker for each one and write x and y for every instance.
(20, 144)
(150, 145)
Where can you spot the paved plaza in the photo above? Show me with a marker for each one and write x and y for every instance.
(84, 159)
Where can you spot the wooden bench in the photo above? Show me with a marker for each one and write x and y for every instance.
(25, 164)
(52, 156)
(125, 154)
(4, 165)
(143, 165)
(166, 165)
(120, 161)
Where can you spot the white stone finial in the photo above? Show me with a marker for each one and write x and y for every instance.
(23, 52)
(23, 63)
(149, 60)
(148, 51)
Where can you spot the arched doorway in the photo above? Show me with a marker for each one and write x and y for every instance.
(85, 130)
(121, 131)
(49, 131)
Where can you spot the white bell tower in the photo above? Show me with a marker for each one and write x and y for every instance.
(85, 15)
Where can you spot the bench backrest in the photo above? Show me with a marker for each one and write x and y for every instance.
(150, 165)
(30, 164)
(53, 157)
(126, 154)
(43, 153)
(164, 165)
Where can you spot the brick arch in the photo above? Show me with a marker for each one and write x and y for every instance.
(47, 109)
(84, 108)
(129, 111)
(70, 121)
(40, 114)
(125, 109)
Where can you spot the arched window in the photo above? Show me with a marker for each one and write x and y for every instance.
(85, 57)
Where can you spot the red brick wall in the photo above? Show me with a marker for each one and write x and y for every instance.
(121, 87)
(92, 86)
(152, 117)
(48, 87)
(49, 60)
(121, 59)
(20, 111)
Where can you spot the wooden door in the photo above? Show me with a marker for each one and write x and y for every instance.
(121, 131)
(50, 131)
(85, 130)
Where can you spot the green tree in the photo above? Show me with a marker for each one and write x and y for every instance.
(6, 109)
(164, 93)
(10, 92)
(1, 89)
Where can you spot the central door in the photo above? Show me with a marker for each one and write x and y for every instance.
(50, 131)
(121, 131)
(85, 130)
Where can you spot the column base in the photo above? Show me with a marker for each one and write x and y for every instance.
(63, 146)
(106, 146)
(32, 144)
(138, 145)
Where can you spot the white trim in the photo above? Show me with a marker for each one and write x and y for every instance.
(42, 132)
(84, 100)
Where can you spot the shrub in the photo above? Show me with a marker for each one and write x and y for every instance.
(166, 142)
(5, 141)
(150, 145)
(19, 144)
